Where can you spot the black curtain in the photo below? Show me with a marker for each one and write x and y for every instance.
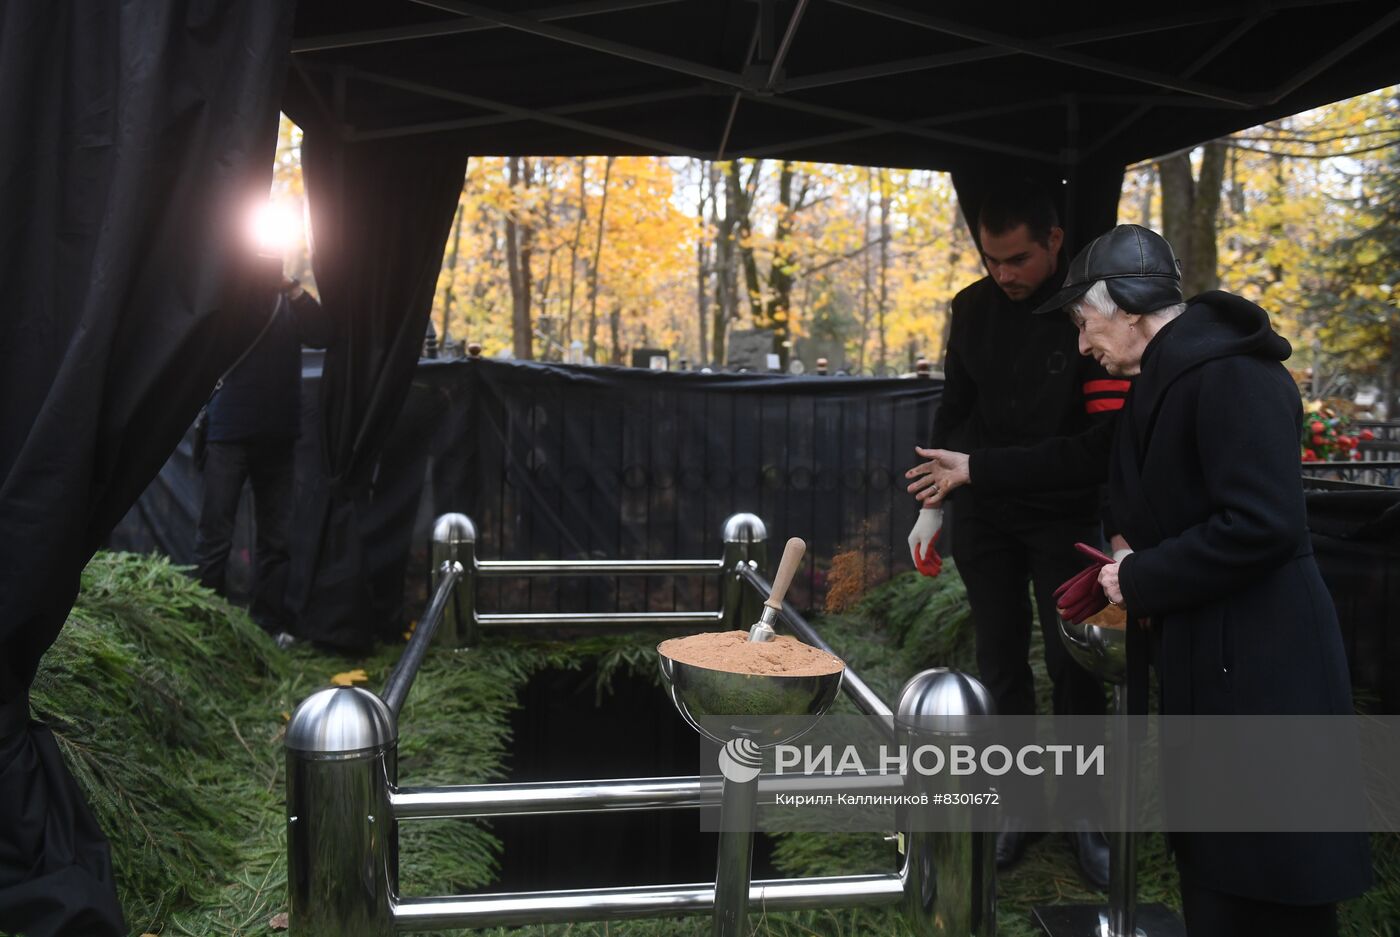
(380, 214)
(1356, 539)
(135, 135)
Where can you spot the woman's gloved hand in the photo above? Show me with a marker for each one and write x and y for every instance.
(1081, 596)
(923, 540)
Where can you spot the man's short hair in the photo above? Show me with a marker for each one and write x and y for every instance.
(1019, 202)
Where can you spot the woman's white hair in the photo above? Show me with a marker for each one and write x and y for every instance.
(1099, 300)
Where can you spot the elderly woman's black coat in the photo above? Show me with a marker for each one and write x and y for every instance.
(1204, 477)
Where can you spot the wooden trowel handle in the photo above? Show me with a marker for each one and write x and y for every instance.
(792, 558)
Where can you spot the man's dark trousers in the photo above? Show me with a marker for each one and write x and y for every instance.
(995, 559)
(268, 463)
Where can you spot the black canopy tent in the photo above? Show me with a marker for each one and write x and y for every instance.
(1069, 96)
(1068, 92)
(142, 121)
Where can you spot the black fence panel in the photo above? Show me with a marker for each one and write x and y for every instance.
(1356, 539)
(564, 462)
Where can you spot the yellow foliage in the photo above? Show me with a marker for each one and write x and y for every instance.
(873, 255)
(350, 677)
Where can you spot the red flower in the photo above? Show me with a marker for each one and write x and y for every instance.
(1317, 439)
(1318, 426)
(1367, 435)
(1356, 455)
(1309, 455)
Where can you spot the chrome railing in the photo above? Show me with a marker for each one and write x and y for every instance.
(401, 680)
(454, 542)
(344, 802)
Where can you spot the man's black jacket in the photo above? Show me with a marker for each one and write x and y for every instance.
(261, 397)
(1015, 379)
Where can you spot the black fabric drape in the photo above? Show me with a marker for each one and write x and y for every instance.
(1087, 198)
(380, 215)
(1356, 539)
(135, 135)
(557, 461)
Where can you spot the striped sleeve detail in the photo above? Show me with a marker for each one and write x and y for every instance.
(1104, 396)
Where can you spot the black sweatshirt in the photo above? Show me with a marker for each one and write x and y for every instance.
(1015, 379)
(261, 397)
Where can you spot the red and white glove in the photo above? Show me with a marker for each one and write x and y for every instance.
(923, 541)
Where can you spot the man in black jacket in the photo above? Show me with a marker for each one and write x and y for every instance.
(1204, 476)
(1015, 379)
(254, 420)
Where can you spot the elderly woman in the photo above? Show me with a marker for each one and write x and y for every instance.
(1204, 479)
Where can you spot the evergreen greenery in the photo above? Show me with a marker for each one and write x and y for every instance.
(170, 705)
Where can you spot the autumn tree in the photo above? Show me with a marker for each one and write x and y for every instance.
(520, 233)
(1190, 211)
(859, 263)
(1355, 305)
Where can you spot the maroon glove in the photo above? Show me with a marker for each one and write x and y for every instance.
(1081, 596)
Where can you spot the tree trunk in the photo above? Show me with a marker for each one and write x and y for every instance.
(702, 264)
(1178, 191)
(865, 274)
(1205, 214)
(518, 240)
(483, 297)
(449, 292)
(884, 263)
(551, 336)
(573, 250)
(597, 254)
(1277, 197)
(1392, 373)
(779, 310)
(741, 203)
(1190, 214)
(726, 304)
(615, 327)
(954, 233)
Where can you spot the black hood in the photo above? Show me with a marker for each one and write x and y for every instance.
(1215, 325)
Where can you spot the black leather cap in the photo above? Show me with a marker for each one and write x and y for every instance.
(1137, 264)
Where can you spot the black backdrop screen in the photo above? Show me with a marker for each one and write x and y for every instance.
(562, 462)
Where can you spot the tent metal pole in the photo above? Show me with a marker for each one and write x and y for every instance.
(1042, 51)
(891, 126)
(963, 56)
(1336, 55)
(466, 24)
(1201, 62)
(926, 122)
(596, 43)
(522, 113)
(785, 45)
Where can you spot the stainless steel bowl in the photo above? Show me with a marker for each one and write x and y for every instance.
(1101, 651)
(770, 710)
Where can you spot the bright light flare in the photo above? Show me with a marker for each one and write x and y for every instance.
(273, 228)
